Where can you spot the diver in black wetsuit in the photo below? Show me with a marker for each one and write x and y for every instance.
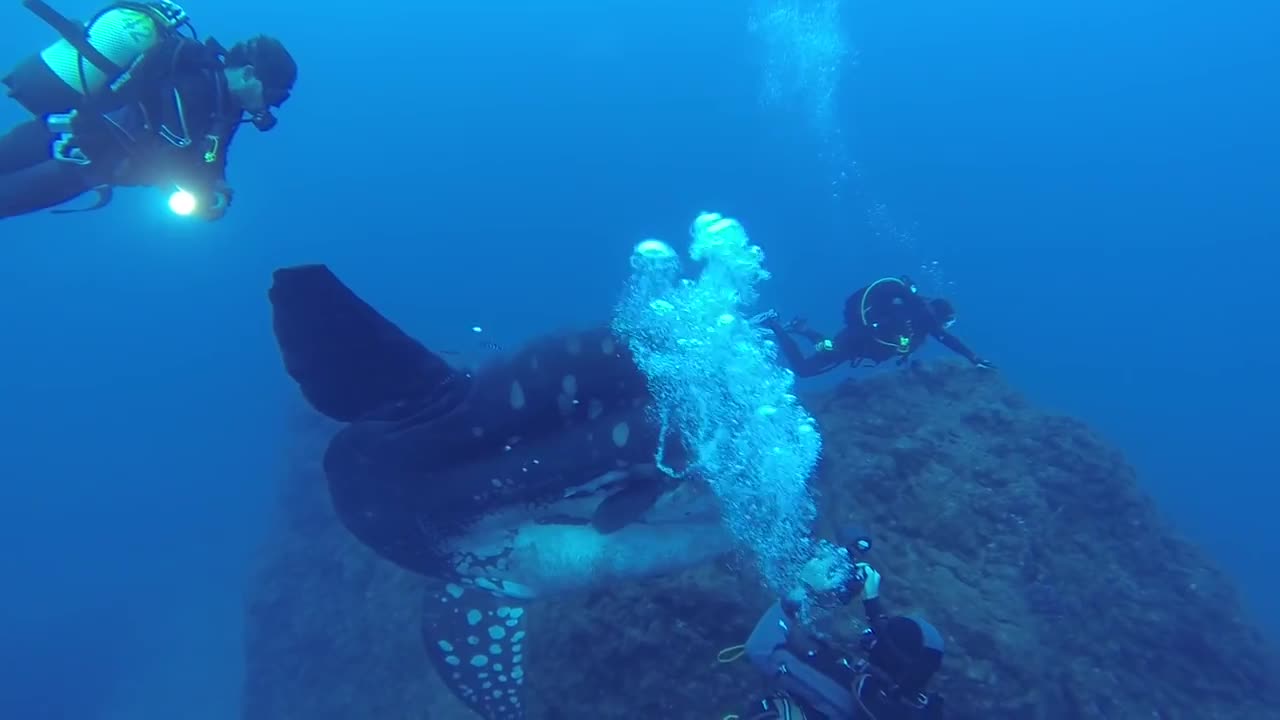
(128, 100)
(884, 320)
(814, 681)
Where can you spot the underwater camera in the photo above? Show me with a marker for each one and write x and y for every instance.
(857, 544)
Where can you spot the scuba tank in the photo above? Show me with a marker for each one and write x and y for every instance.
(91, 63)
(877, 306)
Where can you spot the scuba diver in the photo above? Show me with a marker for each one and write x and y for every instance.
(130, 100)
(887, 319)
(813, 680)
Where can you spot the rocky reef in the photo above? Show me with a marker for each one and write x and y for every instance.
(1022, 535)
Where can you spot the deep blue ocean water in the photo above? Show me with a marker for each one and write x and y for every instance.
(1096, 183)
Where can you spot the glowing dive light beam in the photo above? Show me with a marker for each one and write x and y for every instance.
(182, 202)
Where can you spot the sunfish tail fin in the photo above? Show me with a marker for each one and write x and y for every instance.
(348, 360)
(475, 640)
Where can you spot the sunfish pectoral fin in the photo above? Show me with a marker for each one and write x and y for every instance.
(630, 503)
(348, 359)
(475, 640)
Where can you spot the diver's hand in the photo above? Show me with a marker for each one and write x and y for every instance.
(871, 581)
(767, 319)
(217, 203)
(982, 364)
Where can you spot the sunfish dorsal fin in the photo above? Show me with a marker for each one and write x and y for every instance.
(349, 361)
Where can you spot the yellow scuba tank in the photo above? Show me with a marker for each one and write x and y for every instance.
(91, 61)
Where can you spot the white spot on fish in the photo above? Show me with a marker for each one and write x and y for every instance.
(517, 658)
(504, 611)
(517, 395)
(454, 590)
(517, 673)
(621, 432)
(473, 616)
(512, 623)
(502, 678)
(486, 685)
(452, 660)
(565, 403)
(473, 640)
(445, 645)
(517, 637)
(497, 667)
(517, 612)
(495, 649)
(516, 648)
(497, 632)
(479, 661)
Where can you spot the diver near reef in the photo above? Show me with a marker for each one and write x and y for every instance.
(812, 680)
(128, 99)
(887, 319)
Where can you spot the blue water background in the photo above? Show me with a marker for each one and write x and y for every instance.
(1095, 180)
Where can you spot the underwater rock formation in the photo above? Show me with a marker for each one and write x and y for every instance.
(1024, 537)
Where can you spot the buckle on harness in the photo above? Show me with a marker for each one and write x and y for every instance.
(60, 123)
(64, 147)
(65, 150)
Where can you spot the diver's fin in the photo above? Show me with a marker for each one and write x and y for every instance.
(475, 640)
(348, 359)
(629, 504)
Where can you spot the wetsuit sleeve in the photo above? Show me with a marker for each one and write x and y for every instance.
(953, 343)
(823, 360)
(810, 334)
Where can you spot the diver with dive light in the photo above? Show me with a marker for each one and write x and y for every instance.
(133, 98)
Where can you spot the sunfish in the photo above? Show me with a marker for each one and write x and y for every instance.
(532, 477)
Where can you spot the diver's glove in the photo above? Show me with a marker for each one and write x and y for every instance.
(982, 364)
(217, 203)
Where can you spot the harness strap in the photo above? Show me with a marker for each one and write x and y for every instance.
(74, 33)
